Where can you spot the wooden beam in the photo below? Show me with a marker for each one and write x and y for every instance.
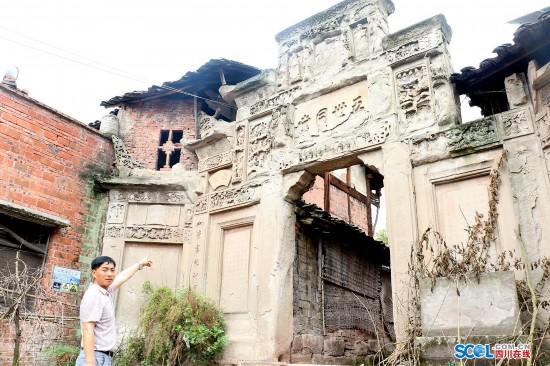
(347, 189)
(326, 192)
(348, 182)
(368, 177)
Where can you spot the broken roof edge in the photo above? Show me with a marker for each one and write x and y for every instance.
(304, 209)
(507, 54)
(322, 16)
(189, 78)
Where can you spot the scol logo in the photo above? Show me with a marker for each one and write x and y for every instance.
(471, 351)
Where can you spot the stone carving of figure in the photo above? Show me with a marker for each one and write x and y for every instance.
(294, 68)
(515, 91)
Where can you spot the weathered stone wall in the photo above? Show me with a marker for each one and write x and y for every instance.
(48, 163)
(141, 123)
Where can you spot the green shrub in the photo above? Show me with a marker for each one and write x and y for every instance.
(175, 328)
(63, 354)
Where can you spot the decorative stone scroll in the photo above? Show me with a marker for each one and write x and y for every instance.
(248, 193)
(265, 105)
(133, 196)
(515, 123)
(215, 162)
(123, 157)
(471, 135)
(164, 233)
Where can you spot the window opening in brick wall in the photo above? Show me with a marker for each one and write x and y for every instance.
(27, 238)
(169, 150)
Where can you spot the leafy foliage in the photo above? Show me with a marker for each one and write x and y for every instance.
(176, 328)
(63, 354)
(382, 235)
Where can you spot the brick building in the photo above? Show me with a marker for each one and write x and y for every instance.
(51, 211)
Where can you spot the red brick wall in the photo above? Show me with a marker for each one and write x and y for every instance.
(47, 163)
(338, 203)
(141, 124)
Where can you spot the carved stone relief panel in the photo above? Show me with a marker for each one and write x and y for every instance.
(471, 135)
(320, 115)
(123, 157)
(543, 125)
(239, 153)
(516, 90)
(201, 204)
(116, 213)
(114, 231)
(154, 233)
(268, 104)
(246, 194)
(174, 197)
(515, 123)
(259, 144)
(145, 221)
(282, 128)
(412, 45)
(215, 162)
(370, 133)
(413, 90)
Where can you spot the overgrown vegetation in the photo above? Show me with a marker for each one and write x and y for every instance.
(176, 328)
(382, 235)
(63, 354)
(431, 258)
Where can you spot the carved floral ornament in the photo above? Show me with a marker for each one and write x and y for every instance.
(150, 233)
(245, 194)
(174, 197)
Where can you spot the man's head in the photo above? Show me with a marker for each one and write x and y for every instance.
(103, 271)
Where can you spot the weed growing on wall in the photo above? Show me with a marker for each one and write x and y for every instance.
(432, 257)
(176, 328)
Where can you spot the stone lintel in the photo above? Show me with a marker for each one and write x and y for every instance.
(29, 214)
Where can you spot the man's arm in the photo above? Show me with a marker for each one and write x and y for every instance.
(88, 342)
(126, 274)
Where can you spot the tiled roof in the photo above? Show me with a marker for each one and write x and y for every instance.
(531, 41)
(206, 77)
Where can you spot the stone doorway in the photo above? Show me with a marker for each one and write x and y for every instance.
(342, 297)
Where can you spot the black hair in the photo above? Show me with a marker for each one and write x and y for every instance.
(97, 262)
